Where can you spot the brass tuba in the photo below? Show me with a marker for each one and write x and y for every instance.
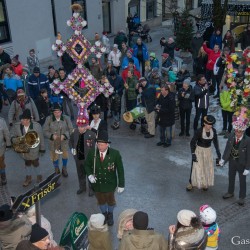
(23, 144)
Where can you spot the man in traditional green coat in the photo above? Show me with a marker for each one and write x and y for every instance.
(104, 169)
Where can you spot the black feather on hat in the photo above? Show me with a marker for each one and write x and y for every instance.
(57, 106)
(37, 233)
(95, 109)
(102, 136)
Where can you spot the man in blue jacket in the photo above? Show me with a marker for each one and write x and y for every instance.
(129, 55)
(36, 82)
(140, 51)
(11, 82)
(216, 38)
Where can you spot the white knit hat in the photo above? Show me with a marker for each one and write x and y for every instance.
(97, 220)
(185, 216)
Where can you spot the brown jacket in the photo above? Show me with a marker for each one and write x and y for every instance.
(99, 240)
(143, 239)
(63, 127)
(14, 231)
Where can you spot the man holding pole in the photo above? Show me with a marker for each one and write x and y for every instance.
(57, 129)
(104, 169)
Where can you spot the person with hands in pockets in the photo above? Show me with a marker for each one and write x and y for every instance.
(237, 153)
(104, 169)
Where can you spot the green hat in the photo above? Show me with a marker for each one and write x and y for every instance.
(152, 54)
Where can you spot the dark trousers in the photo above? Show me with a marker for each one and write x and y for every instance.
(67, 102)
(217, 81)
(142, 65)
(131, 104)
(117, 69)
(211, 78)
(163, 131)
(185, 117)
(200, 112)
(81, 174)
(227, 120)
(235, 167)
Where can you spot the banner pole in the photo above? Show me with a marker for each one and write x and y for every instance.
(38, 208)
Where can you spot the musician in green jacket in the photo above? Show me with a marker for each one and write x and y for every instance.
(104, 169)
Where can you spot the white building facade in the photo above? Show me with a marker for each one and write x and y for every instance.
(34, 24)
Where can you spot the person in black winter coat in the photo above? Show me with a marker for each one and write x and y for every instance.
(169, 46)
(166, 110)
(186, 97)
(201, 100)
(117, 82)
(182, 75)
(148, 97)
(68, 63)
(196, 44)
(221, 64)
(43, 105)
(245, 40)
(102, 101)
(200, 62)
(166, 61)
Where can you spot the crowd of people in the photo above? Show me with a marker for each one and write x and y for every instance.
(164, 93)
(21, 232)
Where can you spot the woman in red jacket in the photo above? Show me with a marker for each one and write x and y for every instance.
(17, 66)
(212, 54)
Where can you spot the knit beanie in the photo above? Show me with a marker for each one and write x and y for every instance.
(184, 217)
(37, 233)
(140, 220)
(96, 222)
(20, 92)
(152, 54)
(187, 81)
(5, 213)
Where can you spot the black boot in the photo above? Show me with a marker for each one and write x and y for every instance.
(110, 219)
(3, 179)
(106, 217)
(91, 191)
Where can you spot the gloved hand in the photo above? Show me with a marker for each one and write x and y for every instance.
(246, 172)
(92, 178)
(194, 158)
(73, 151)
(221, 162)
(11, 124)
(120, 190)
(187, 96)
